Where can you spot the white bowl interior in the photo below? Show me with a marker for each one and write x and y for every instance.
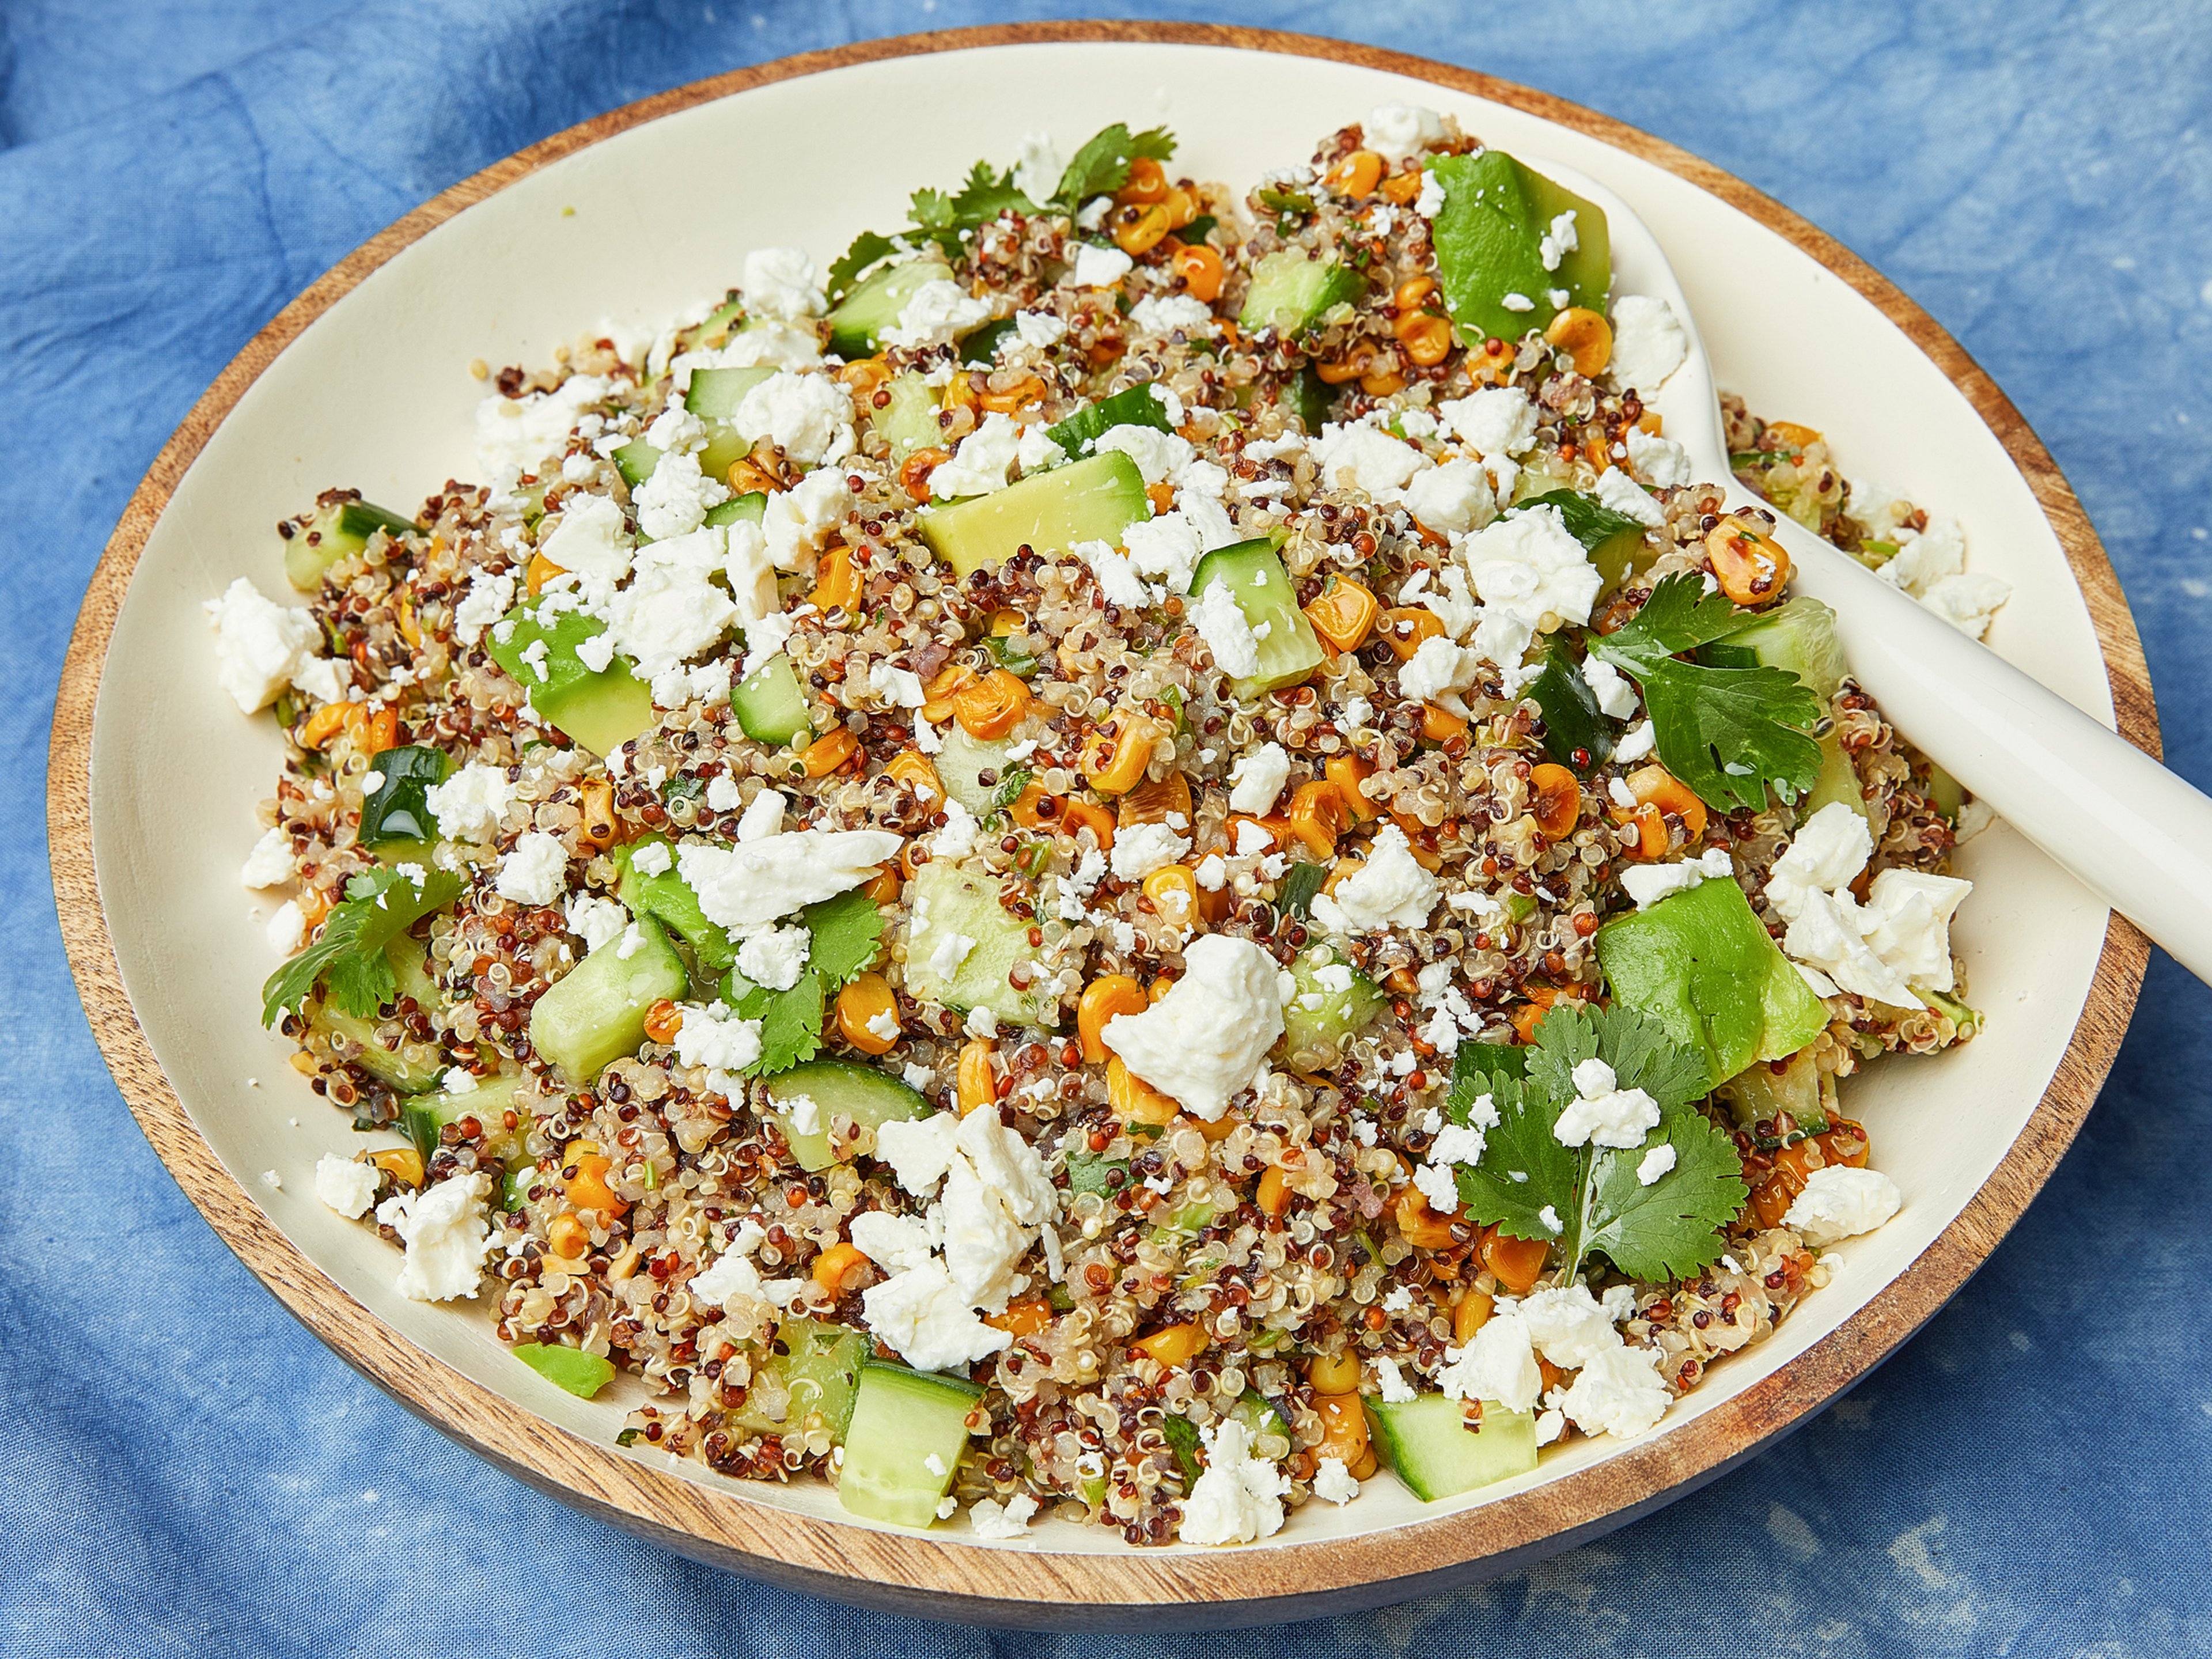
(376, 395)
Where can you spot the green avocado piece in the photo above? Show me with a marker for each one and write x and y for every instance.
(1489, 237)
(602, 709)
(1700, 963)
(668, 899)
(582, 1374)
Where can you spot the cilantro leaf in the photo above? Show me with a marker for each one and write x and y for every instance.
(1524, 1171)
(846, 930)
(931, 210)
(349, 959)
(1641, 1055)
(1672, 1228)
(1726, 732)
(1009, 788)
(985, 194)
(1102, 166)
(845, 270)
(791, 1021)
(1474, 1067)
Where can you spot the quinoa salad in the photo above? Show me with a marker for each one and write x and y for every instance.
(1137, 853)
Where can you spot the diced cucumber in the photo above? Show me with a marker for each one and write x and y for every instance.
(1489, 237)
(1614, 541)
(907, 1426)
(771, 704)
(715, 393)
(1839, 780)
(635, 460)
(602, 709)
(875, 304)
(1087, 500)
(1310, 399)
(819, 1365)
(1314, 1035)
(596, 1015)
(1435, 1454)
(838, 1089)
(747, 508)
(1291, 292)
(1945, 793)
(1267, 1420)
(1094, 1172)
(963, 761)
(1798, 636)
(488, 1102)
(1289, 650)
(1700, 963)
(951, 898)
(668, 900)
(374, 1058)
(332, 533)
(398, 808)
(1576, 732)
(581, 1374)
(908, 422)
(1138, 405)
(1761, 1094)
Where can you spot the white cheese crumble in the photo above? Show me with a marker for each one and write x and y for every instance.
(1099, 267)
(1655, 1163)
(270, 861)
(1239, 1497)
(1258, 778)
(759, 881)
(1623, 494)
(1648, 883)
(1839, 1202)
(1203, 1041)
(444, 1230)
(1390, 890)
(1648, 343)
(775, 957)
(345, 1186)
(1660, 462)
(809, 417)
(1396, 131)
(469, 805)
(261, 646)
(780, 282)
(1220, 622)
(1141, 849)
(991, 1520)
(1618, 1393)
(535, 872)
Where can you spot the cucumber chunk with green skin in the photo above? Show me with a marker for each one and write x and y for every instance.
(838, 1088)
(581, 1374)
(1489, 237)
(332, 534)
(907, 1425)
(1576, 732)
(488, 1102)
(1613, 541)
(1760, 1095)
(963, 761)
(748, 509)
(1436, 1456)
(715, 393)
(1136, 405)
(1700, 963)
(771, 705)
(952, 899)
(635, 460)
(668, 899)
(398, 808)
(1088, 501)
(1094, 1172)
(1289, 648)
(1290, 292)
(819, 1365)
(980, 349)
(596, 1015)
(1265, 1419)
(1319, 1020)
(600, 709)
(908, 422)
(857, 324)
(1310, 399)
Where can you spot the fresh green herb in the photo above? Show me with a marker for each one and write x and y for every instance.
(987, 192)
(1102, 166)
(1011, 657)
(628, 1437)
(846, 930)
(845, 934)
(980, 349)
(1285, 201)
(1301, 881)
(1727, 732)
(1016, 779)
(398, 808)
(868, 248)
(348, 960)
(683, 787)
(1668, 1228)
(1198, 229)
(1576, 733)
(1181, 1436)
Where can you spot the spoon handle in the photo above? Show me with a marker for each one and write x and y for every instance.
(2131, 831)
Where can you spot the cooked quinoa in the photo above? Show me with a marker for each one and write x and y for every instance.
(1331, 914)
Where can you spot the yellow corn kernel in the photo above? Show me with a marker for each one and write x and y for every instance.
(1347, 773)
(1116, 765)
(836, 583)
(1440, 725)
(1101, 1000)
(1133, 1100)
(1174, 891)
(567, 1238)
(1172, 1346)
(834, 1265)
(587, 1188)
(1344, 1427)
(1472, 1313)
(1139, 228)
(861, 1006)
(978, 1087)
(663, 1021)
(1427, 337)
(404, 1163)
(1405, 630)
(993, 705)
(1076, 815)
(541, 571)
(1584, 336)
(325, 723)
(1318, 816)
(1750, 565)
(1335, 1373)
(1356, 176)
(915, 770)
(1273, 1195)
(1343, 613)
(826, 754)
(1023, 1318)
(940, 689)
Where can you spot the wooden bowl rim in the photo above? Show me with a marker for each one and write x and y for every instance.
(948, 1577)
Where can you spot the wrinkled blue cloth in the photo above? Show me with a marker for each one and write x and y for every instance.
(189, 1472)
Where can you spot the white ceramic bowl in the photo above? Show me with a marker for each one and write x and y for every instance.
(370, 388)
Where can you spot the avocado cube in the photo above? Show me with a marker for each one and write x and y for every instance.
(1490, 238)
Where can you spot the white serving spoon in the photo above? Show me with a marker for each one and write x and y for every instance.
(2127, 829)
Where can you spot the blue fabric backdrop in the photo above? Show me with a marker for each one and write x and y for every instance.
(190, 1473)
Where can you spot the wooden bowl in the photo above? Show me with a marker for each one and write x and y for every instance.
(361, 381)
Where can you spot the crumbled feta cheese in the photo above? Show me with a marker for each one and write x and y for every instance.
(1635, 744)
(345, 1186)
(1396, 131)
(1431, 201)
(1099, 267)
(1623, 494)
(796, 523)
(1239, 1497)
(1390, 890)
(444, 1230)
(991, 1521)
(1438, 671)
(952, 950)
(759, 881)
(270, 862)
(1659, 462)
(512, 435)
(589, 537)
(596, 920)
(919, 1151)
(1528, 566)
(674, 500)
(489, 598)
(676, 429)
(1141, 849)
(1167, 548)
(653, 857)
(1558, 242)
(1498, 1364)
(1451, 499)
(1158, 455)
(469, 805)
(1221, 622)
(1568, 1325)
(763, 817)
(1839, 1202)
(534, 871)
(980, 463)
(1648, 883)
(775, 956)
(260, 646)
(1438, 1184)
(809, 417)
(780, 282)
(1364, 456)
(1653, 1165)
(1396, 1391)
(1333, 1482)
(1968, 600)
(1615, 696)
(1605, 1117)
(1203, 1041)
(1648, 343)
(1619, 1393)
(1117, 582)
(1166, 314)
(1039, 330)
(711, 1036)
